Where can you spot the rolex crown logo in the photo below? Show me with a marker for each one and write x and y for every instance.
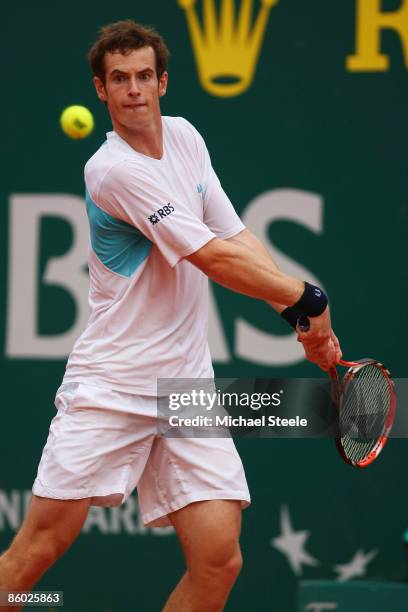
(227, 48)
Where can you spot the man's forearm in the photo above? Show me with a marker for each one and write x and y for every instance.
(248, 239)
(248, 269)
(244, 270)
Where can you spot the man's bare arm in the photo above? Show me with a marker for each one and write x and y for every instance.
(249, 239)
(243, 270)
(244, 265)
(313, 344)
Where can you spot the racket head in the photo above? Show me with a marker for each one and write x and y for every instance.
(366, 392)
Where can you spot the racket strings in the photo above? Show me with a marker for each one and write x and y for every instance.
(364, 410)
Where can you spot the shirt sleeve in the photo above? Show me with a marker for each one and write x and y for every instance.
(219, 213)
(127, 194)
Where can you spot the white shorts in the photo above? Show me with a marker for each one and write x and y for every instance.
(102, 444)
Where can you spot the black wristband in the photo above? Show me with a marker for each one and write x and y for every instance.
(313, 301)
(291, 315)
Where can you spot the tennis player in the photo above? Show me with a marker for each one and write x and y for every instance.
(160, 226)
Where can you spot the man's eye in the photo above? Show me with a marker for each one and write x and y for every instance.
(119, 78)
(145, 77)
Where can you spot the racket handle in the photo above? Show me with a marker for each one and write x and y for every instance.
(304, 326)
(333, 374)
(303, 323)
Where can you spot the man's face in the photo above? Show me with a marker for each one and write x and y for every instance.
(132, 89)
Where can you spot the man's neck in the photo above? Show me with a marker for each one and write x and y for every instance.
(147, 140)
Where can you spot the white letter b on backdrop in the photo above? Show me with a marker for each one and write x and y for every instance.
(66, 271)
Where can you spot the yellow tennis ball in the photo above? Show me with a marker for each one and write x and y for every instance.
(77, 121)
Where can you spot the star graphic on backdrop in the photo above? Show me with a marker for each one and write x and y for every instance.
(292, 544)
(355, 567)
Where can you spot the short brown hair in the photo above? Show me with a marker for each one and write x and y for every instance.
(124, 37)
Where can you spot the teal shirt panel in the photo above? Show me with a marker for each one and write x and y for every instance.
(121, 247)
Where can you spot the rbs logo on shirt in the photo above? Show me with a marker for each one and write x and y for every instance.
(160, 214)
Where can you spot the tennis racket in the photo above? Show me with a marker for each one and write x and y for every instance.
(366, 401)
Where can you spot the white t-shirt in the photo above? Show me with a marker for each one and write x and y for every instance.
(149, 306)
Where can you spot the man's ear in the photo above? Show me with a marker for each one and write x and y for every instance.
(100, 89)
(163, 84)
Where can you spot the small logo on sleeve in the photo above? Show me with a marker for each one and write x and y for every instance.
(160, 214)
(153, 219)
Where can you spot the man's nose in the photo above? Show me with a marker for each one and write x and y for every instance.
(134, 89)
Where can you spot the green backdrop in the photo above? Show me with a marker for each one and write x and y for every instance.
(313, 155)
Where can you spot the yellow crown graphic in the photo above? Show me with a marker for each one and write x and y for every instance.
(227, 49)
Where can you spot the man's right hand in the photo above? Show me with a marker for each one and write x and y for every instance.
(320, 344)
